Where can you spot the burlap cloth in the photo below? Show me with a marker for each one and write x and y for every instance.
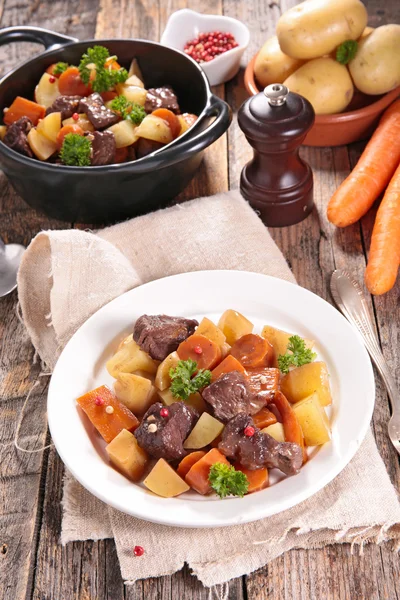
(67, 275)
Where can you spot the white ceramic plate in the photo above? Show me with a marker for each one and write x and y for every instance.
(262, 299)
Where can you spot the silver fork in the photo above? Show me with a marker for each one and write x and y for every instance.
(350, 298)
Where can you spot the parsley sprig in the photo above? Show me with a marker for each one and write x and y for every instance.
(346, 51)
(93, 69)
(60, 67)
(296, 355)
(128, 110)
(226, 481)
(183, 384)
(76, 150)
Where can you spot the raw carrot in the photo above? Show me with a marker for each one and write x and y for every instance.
(371, 174)
(291, 425)
(21, 107)
(230, 363)
(264, 418)
(197, 477)
(187, 463)
(206, 353)
(253, 351)
(258, 478)
(384, 254)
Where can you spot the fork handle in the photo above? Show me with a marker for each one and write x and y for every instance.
(382, 366)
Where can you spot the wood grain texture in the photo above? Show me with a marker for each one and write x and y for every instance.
(33, 565)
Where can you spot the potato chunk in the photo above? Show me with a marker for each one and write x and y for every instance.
(130, 358)
(195, 400)
(50, 126)
(234, 325)
(164, 481)
(305, 380)
(211, 332)
(163, 380)
(125, 133)
(204, 432)
(279, 340)
(127, 456)
(276, 431)
(156, 129)
(313, 421)
(47, 90)
(82, 121)
(136, 392)
(40, 145)
(133, 93)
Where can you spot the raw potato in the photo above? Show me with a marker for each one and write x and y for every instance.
(50, 126)
(136, 392)
(40, 145)
(133, 93)
(125, 453)
(316, 27)
(125, 133)
(164, 481)
(234, 325)
(211, 332)
(130, 358)
(325, 83)
(313, 421)
(279, 340)
(204, 432)
(3, 131)
(376, 66)
(306, 380)
(276, 431)
(163, 380)
(366, 32)
(45, 91)
(82, 121)
(195, 400)
(272, 65)
(156, 129)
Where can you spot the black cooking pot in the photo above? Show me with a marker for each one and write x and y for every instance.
(115, 192)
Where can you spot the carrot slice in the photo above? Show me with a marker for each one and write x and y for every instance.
(230, 363)
(21, 107)
(171, 119)
(258, 479)
(253, 351)
(71, 84)
(187, 463)
(65, 130)
(291, 425)
(384, 254)
(197, 347)
(264, 418)
(109, 424)
(109, 95)
(371, 174)
(197, 477)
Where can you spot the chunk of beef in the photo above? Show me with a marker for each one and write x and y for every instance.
(66, 105)
(159, 335)
(259, 450)
(145, 147)
(230, 395)
(163, 437)
(264, 383)
(98, 114)
(16, 136)
(103, 148)
(161, 97)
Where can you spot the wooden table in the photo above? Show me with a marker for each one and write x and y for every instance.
(32, 563)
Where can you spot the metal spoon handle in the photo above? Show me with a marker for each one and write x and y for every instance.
(351, 300)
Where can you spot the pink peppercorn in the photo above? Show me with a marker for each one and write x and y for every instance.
(138, 551)
(209, 45)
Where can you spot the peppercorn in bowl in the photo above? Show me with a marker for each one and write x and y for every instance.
(103, 130)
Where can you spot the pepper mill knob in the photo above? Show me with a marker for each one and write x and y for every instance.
(277, 182)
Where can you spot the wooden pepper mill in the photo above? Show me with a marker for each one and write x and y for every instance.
(277, 182)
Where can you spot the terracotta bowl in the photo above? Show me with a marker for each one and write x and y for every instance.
(358, 123)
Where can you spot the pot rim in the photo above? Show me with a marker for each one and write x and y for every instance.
(135, 165)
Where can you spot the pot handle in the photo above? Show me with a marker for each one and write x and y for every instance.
(217, 108)
(49, 39)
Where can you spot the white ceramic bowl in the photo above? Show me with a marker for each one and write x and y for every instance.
(185, 25)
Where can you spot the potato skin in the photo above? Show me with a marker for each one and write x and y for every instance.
(316, 27)
(325, 83)
(272, 65)
(376, 66)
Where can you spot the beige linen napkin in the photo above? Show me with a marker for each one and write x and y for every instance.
(67, 275)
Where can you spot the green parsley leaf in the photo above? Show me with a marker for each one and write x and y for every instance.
(60, 68)
(183, 384)
(226, 481)
(346, 51)
(297, 354)
(76, 150)
(128, 110)
(105, 78)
